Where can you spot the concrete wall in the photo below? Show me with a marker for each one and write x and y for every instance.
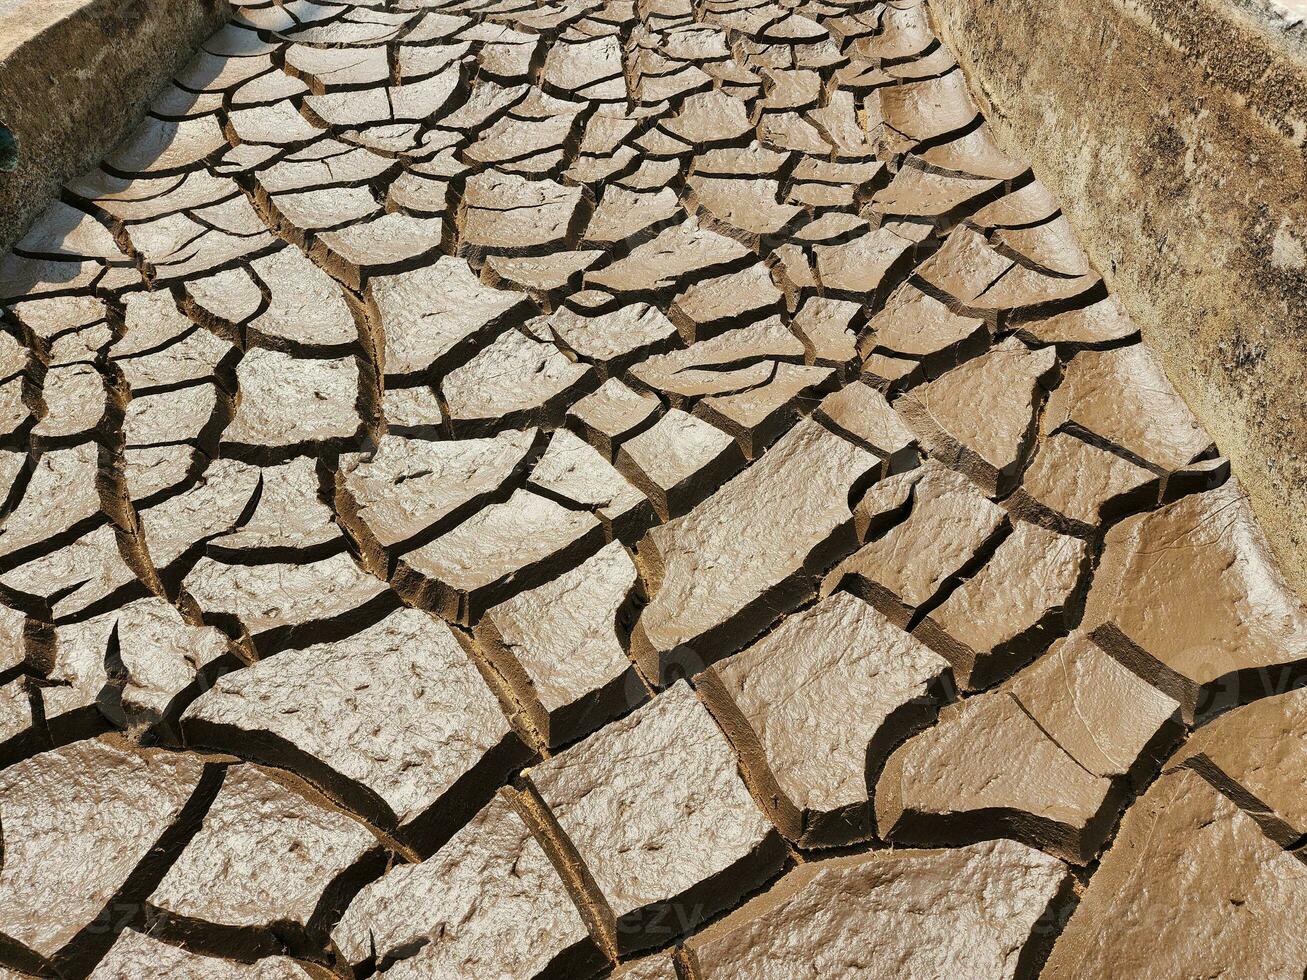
(75, 76)
(1174, 133)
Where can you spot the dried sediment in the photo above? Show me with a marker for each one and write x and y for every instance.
(589, 489)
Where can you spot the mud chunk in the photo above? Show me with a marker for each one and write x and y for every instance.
(60, 501)
(682, 252)
(508, 56)
(705, 309)
(274, 125)
(385, 243)
(281, 605)
(290, 522)
(727, 569)
(657, 812)
(1006, 613)
(328, 162)
(1104, 716)
(152, 321)
(487, 903)
(409, 102)
(558, 646)
(394, 722)
(1080, 723)
(950, 521)
(161, 147)
(79, 822)
(434, 312)
(22, 278)
(514, 382)
(625, 216)
(928, 109)
(861, 413)
(980, 417)
(220, 500)
(1025, 206)
(289, 406)
(1190, 597)
(917, 325)
(414, 412)
(50, 316)
(574, 470)
(792, 90)
(612, 414)
(264, 868)
(545, 277)
(83, 577)
(917, 193)
(15, 415)
(136, 956)
(743, 208)
(178, 248)
(21, 731)
(791, 131)
(592, 69)
(866, 915)
(611, 340)
(885, 504)
(733, 361)
(306, 312)
(945, 786)
(75, 345)
(12, 638)
(132, 663)
(1075, 485)
(337, 67)
(709, 119)
(151, 473)
(513, 143)
(815, 706)
(76, 401)
(302, 213)
(659, 966)
(679, 461)
(658, 81)
(756, 416)
(410, 489)
(1121, 396)
(1098, 323)
(502, 550)
(190, 413)
(508, 214)
(862, 265)
(900, 33)
(965, 267)
(1257, 755)
(196, 356)
(1050, 245)
(826, 327)
(1191, 885)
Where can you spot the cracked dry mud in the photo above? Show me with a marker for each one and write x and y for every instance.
(512, 488)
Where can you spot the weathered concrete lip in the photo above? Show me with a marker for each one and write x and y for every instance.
(24, 22)
(1175, 137)
(75, 77)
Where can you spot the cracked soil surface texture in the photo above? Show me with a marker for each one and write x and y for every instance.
(514, 488)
